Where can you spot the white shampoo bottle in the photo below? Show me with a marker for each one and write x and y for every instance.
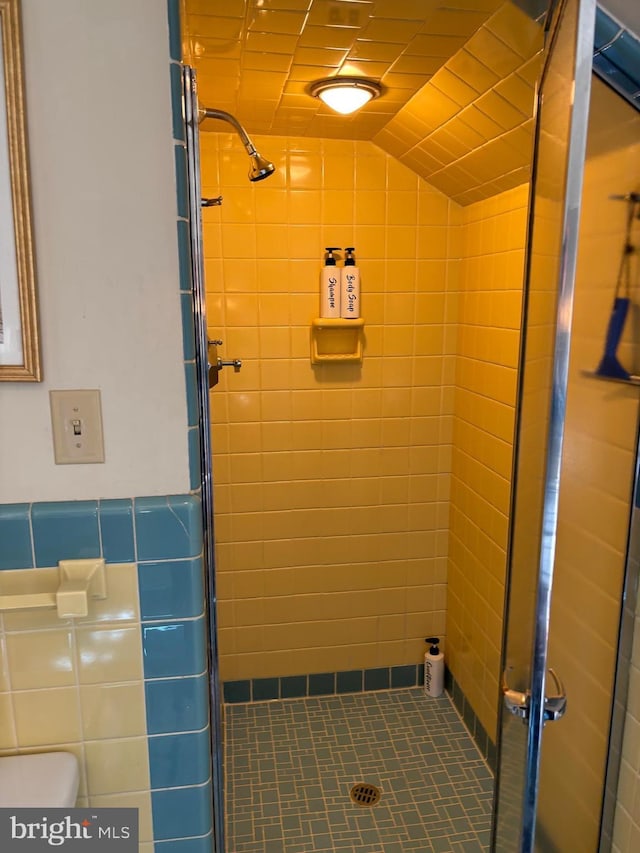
(433, 668)
(350, 287)
(330, 286)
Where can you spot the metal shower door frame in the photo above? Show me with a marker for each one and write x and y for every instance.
(536, 702)
(577, 145)
(190, 102)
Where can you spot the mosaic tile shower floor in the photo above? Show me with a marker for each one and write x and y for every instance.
(291, 764)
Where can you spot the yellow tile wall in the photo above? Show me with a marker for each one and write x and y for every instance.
(492, 238)
(331, 482)
(77, 685)
(256, 62)
(598, 468)
(468, 131)
(459, 79)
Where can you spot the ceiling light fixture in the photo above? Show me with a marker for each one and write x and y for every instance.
(345, 95)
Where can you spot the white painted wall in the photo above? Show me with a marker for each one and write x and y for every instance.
(103, 189)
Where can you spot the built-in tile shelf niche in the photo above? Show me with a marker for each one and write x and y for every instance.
(335, 340)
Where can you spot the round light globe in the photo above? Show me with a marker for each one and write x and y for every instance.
(345, 99)
(345, 95)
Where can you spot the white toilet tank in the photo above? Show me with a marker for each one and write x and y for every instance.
(45, 779)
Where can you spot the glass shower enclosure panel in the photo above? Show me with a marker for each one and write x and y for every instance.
(533, 693)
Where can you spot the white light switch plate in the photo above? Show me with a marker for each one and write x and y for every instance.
(76, 418)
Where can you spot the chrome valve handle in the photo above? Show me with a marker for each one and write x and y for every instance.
(216, 363)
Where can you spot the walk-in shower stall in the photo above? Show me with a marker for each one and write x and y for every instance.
(460, 463)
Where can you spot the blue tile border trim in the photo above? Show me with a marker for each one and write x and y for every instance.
(175, 36)
(175, 70)
(178, 760)
(168, 527)
(193, 437)
(120, 530)
(186, 845)
(16, 551)
(322, 683)
(174, 648)
(357, 681)
(184, 259)
(188, 334)
(65, 530)
(181, 813)
(471, 721)
(191, 383)
(182, 191)
(183, 247)
(177, 704)
(171, 589)
(116, 530)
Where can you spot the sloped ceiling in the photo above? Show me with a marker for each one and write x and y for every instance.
(459, 78)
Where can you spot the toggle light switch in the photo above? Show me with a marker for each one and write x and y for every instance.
(76, 418)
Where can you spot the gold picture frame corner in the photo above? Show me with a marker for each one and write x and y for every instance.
(20, 356)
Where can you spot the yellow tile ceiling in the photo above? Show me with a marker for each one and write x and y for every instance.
(457, 75)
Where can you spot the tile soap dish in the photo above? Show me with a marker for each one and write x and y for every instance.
(336, 340)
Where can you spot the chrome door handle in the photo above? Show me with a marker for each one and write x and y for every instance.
(518, 702)
(555, 706)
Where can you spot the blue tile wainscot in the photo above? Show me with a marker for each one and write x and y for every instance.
(163, 536)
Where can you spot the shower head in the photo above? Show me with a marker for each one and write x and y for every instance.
(260, 167)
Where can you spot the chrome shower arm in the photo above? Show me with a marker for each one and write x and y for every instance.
(260, 166)
(207, 112)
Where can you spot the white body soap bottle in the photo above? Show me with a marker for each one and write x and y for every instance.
(433, 668)
(350, 290)
(330, 286)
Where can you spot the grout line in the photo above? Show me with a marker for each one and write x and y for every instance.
(32, 538)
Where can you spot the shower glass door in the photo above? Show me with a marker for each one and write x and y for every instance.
(532, 693)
